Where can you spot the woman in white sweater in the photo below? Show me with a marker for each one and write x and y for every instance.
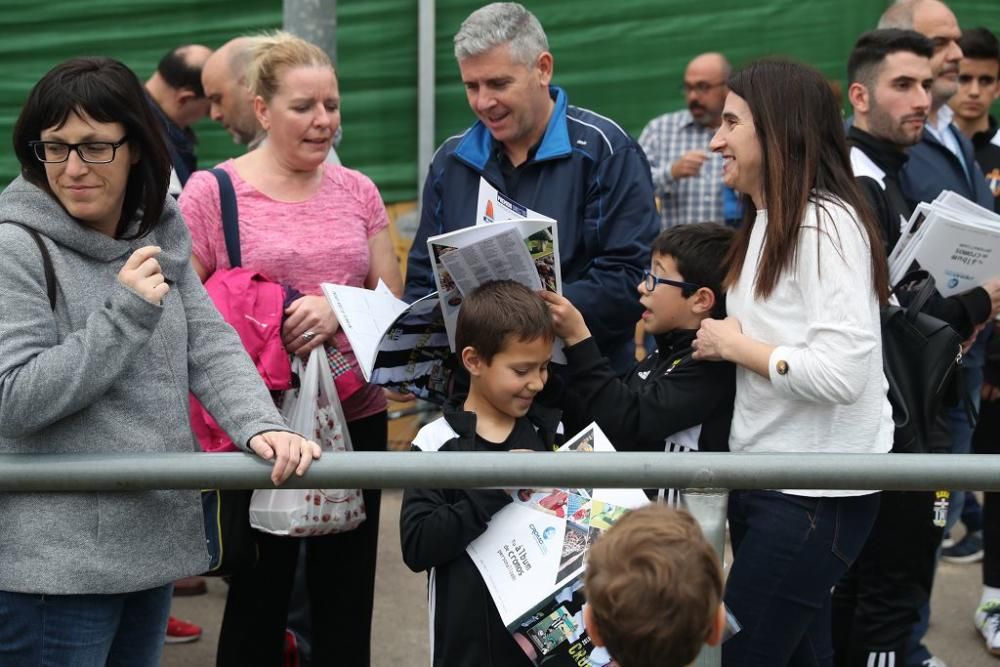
(806, 278)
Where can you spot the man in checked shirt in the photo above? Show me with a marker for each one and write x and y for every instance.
(687, 177)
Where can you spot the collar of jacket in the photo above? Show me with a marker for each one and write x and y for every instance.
(544, 418)
(476, 146)
(886, 155)
(673, 341)
(981, 139)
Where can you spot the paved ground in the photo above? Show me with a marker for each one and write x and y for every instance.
(401, 618)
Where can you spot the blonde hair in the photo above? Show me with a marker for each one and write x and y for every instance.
(276, 52)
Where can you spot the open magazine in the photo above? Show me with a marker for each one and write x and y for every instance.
(526, 251)
(400, 346)
(953, 239)
(532, 560)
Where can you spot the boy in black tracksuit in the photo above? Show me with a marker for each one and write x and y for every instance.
(668, 401)
(505, 336)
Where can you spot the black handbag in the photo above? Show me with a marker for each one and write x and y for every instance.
(920, 354)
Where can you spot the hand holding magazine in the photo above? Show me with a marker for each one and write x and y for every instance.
(532, 560)
(400, 346)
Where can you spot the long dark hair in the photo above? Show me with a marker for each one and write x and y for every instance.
(804, 159)
(109, 92)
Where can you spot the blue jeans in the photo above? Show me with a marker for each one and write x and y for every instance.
(788, 553)
(118, 630)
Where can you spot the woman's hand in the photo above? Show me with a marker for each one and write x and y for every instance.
(290, 451)
(142, 275)
(567, 319)
(309, 323)
(715, 338)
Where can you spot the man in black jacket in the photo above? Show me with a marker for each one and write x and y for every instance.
(876, 605)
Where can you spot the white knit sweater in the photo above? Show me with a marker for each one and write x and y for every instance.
(823, 318)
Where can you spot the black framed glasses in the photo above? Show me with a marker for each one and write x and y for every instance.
(701, 87)
(94, 152)
(649, 281)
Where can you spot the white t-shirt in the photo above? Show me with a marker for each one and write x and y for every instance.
(823, 318)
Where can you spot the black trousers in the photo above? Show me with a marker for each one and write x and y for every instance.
(877, 603)
(986, 440)
(340, 575)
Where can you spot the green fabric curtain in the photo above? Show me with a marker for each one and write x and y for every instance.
(623, 59)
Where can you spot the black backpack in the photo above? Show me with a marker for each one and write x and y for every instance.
(921, 355)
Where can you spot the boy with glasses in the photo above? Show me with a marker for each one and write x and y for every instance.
(668, 401)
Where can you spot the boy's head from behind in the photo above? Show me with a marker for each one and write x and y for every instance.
(654, 589)
(692, 258)
(504, 335)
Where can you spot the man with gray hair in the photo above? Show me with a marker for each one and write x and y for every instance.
(563, 161)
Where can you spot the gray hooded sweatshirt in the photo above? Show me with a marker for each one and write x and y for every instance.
(108, 372)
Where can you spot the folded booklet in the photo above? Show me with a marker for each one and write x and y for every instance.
(400, 346)
(532, 560)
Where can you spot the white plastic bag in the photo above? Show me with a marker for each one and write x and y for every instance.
(313, 410)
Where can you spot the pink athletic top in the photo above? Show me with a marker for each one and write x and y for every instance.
(323, 239)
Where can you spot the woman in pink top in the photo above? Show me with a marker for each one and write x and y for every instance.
(302, 222)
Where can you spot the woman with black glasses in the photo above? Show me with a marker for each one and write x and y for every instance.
(105, 329)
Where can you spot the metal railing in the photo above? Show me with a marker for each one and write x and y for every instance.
(706, 475)
(396, 470)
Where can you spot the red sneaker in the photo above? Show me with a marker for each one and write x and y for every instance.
(291, 653)
(181, 632)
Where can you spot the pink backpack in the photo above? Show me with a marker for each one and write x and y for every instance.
(254, 307)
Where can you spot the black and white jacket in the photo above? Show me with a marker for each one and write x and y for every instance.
(436, 526)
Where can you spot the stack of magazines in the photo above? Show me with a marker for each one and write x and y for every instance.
(953, 239)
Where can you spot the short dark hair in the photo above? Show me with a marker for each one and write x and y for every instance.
(699, 250)
(175, 69)
(980, 44)
(109, 92)
(654, 586)
(872, 48)
(498, 310)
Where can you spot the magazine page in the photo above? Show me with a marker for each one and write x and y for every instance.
(523, 250)
(401, 346)
(959, 256)
(532, 560)
(494, 206)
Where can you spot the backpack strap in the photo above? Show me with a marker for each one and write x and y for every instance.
(230, 221)
(50, 272)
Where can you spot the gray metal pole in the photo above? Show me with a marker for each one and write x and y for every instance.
(393, 470)
(314, 21)
(425, 90)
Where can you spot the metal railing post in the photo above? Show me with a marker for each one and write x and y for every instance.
(708, 506)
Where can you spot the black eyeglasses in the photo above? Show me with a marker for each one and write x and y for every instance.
(94, 152)
(650, 282)
(701, 87)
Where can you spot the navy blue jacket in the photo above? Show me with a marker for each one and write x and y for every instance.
(932, 168)
(589, 175)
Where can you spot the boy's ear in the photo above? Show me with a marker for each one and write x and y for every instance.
(703, 301)
(588, 622)
(472, 361)
(718, 627)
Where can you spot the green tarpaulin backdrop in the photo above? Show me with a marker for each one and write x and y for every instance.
(624, 58)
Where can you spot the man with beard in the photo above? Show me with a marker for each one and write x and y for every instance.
(877, 603)
(687, 177)
(943, 159)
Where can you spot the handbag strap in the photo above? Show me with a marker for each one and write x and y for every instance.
(50, 272)
(920, 297)
(230, 221)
